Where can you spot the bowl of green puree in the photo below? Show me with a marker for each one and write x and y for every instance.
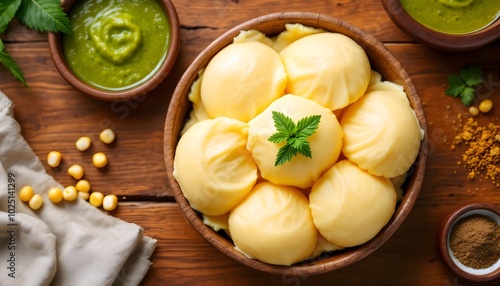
(450, 25)
(119, 50)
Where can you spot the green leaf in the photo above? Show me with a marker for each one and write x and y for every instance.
(8, 9)
(471, 75)
(455, 91)
(468, 96)
(283, 123)
(11, 66)
(44, 16)
(278, 137)
(294, 135)
(284, 155)
(308, 125)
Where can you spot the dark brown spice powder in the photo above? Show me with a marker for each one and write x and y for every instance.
(475, 241)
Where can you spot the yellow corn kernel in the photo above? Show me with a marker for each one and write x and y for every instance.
(100, 160)
(84, 195)
(474, 111)
(76, 171)
(70, 193)
(96, 198)
(107, 136)
(55, 195)
(54, 159)
(35, 202)
(109, 202)
(485, 105)
(83, 143)
(83, 186)
(26, 193)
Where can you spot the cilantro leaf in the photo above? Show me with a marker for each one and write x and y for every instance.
(40, 15)
(44, 16)
(471, 75)
(9, 63)
(463, 86)
(295, 136)
(285, 154)
(467, 96)
(8, 9)
(308, 125)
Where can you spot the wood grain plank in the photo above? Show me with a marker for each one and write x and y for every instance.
(219, 15)
(182, 257)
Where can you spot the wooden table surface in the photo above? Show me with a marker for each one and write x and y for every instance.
(53, 115)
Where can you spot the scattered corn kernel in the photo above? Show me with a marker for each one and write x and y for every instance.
(84, 195)
(76, 171)
(83, 143)
(55, 195)
(54, 159)
(83, 186)
(474, 111)
(485, 105)
(96, 199)
(35, 202)
(100, 160)
(26, 193)
(70, 193)
(107, 136)
(109, 202)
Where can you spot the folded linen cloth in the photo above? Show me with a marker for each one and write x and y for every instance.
(70, 243)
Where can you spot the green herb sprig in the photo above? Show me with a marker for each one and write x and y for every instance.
(295, 136)
(40, 15)
(464, 85)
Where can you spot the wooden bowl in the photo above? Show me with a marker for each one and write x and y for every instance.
(382, 61)
(453, 264)
(57, 54)
(438, 40)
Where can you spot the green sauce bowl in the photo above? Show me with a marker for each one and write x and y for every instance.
(441, 40)
(64, 62)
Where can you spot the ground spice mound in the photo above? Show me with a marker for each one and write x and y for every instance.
(475, 241)
(483, 149)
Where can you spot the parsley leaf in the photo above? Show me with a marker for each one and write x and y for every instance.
(463, 85)
(44, 16)
(40, 15)
(7, 10)
(295, 136)
(9, 63)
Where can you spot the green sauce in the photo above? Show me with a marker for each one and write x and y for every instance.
(116, 44)
(453, 16)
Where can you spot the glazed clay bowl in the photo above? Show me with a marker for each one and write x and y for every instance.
(438, 40)
(381, 59)
(152, 81)
(461, 270)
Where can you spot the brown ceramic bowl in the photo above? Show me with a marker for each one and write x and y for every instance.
(382, 61)
(475, 275)
(57, 54)
(438, 40)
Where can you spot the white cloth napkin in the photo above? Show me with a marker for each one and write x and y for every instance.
(70, 243)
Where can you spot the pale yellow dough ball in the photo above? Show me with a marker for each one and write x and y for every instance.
(350, 206)
(329, 68)
(242, 80)
(212, 166)
(381, 132)
(301, 171)
(274, 224)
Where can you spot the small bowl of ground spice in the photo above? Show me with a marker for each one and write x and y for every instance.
(469, 242)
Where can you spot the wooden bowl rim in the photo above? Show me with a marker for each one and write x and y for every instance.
(57, 54)
(444, 231)
(439, 40)
(175, 113)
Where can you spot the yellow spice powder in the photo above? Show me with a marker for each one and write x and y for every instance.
(482, 155)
